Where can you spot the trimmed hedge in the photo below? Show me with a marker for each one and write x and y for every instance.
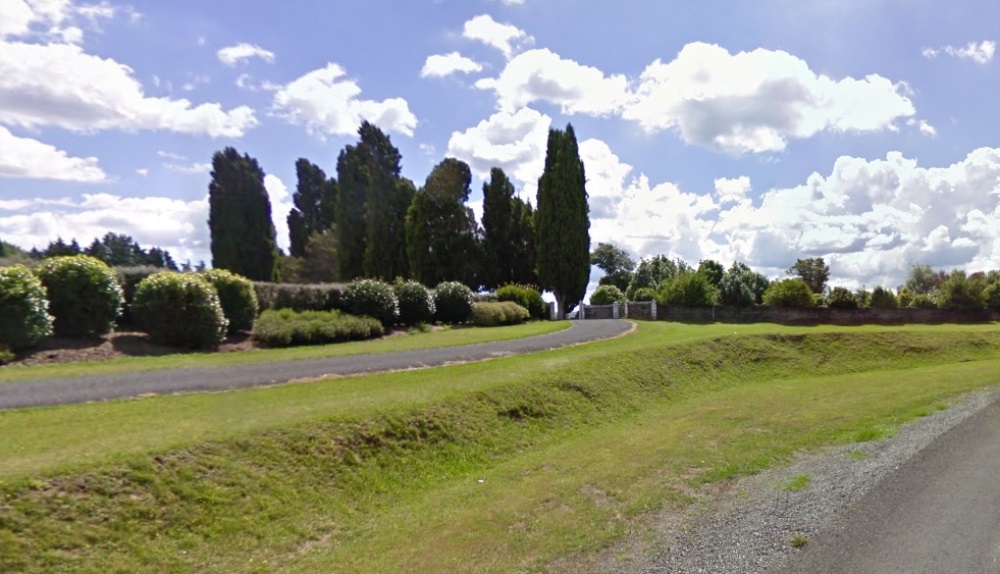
(237, 297)
(84, 295)
(416, 303)
(180, 309)
(500, 313)
(453, 301)
(24, 315)
(526, 296)
(288, 328)
(372, 298)
(299, 297)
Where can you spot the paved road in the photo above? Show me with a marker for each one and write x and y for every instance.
(94, 388)
(938, 513)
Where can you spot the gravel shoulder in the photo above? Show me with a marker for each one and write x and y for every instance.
(94, 388)
(845, 513)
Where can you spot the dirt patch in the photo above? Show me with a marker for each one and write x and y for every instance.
(114, 345)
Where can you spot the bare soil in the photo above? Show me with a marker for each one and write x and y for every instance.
(114, 345)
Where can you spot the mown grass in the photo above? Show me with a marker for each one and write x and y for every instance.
(450, 337)
(499, 466)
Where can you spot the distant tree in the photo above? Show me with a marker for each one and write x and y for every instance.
(841, 298)
(653, 271)
(441, 231)
(239, 218)
(616, 263)
(742, 286)
(712, 270)
(161, 258)
(499, 228)
(315, 200)
(688, 289)
(882, 298)
(563, 229)
(922, 280)
(523, 244)
(957, 292)
(606, 295)
(789, 293)
(320, 259)
(59, 248)
(814, 271)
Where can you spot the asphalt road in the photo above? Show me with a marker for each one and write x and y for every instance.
(95, 388)
(938, 513)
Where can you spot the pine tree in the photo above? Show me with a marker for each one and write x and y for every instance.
(563, 229)
(498, 229)
(239, 217)
(350, 213)
(315, 199)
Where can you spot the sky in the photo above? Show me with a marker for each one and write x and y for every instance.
(863, 132)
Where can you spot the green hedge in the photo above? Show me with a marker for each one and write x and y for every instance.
(288, 328)
(299, 297)
(373, 298)
(500, 313)
(24, 316)
(180, 309)
(416, 303)
(789, 293)
(84, 295)
(237, 297)
(526, 296)
(453, 301)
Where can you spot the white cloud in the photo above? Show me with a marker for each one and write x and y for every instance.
(31, 159)
(327, 104)
(197, 168)
(142, 171)
(242, 52)
(281, 204)
(441, 65)
(732, 190)
(980, 53)
(541, 75)
(60, 85)
(755, 101)
(57, 20)
(922, 125)
(504, 37)
(606, 177)
(514, 142)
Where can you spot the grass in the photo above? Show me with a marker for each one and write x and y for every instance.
(414, 340)
(798, 540)
(799, 482)
(501, 466)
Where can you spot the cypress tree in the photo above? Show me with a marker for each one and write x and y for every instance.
(315, 200)
(498, 229)
(350, 213)
(563, 221)
(523, 250)
(239, 217)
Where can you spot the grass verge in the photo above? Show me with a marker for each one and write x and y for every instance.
(516, 463)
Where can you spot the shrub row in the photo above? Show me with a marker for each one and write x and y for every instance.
(286, 328)
(500, 313)
(180, 309)
(24, 315)
(313, 297)
(525, 296)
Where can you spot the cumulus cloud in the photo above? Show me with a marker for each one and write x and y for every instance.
(281, 204)
(62, 86)
(243, 52)
(441, 65)
(31, 159)
(197, 168)
(980, 53)
(504, 37)
(732, 190)
(327, 103)
(755, 101)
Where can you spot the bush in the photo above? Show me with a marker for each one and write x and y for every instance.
(129, 278)
(688, 290)
(288, 328)
(24, 315)
(905, 297)
(237, 297)
(882, 298)
(84, 294)
(959, 293)
(416, 303)
(299, 297)
(525, 296)
(644, 294)
(922, 301)
(6, 355)
(180, 309)
(606, 295)
(488, 297)
(818, 300)
(789, 293)
(372, 298)
(992, 296)
(453, 302)
(500, 313)
(841, 298)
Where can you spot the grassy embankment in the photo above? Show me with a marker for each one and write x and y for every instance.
(501, 466)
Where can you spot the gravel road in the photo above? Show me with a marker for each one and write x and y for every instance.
(94, 388)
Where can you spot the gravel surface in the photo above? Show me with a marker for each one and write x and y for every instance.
(753, 528)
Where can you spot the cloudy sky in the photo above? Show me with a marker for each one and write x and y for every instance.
(860, 131)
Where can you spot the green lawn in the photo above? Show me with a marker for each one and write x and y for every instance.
(531, 463)
(450, 337)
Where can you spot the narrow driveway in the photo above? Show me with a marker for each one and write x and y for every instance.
(938, 513)
(102, 387)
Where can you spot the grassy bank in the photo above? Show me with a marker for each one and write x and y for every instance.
(499, 466)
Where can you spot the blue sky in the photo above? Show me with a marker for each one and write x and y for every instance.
(760, 131)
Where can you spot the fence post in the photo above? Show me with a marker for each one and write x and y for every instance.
(652, 309)
(614, 310)
(583, 312)
(626, 309)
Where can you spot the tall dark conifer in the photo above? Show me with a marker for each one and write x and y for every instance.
(498, 230)
(315, 201)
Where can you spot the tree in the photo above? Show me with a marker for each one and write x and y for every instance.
(350, 212)
(789, 293)
(921, 280)
(239, 217)
(59, 248)
(616, 263)
(959, 293)
(712, 270)
(741, 286)
(499, 227)
(688, 289)
(882, 298)
(563, 230)
(441, 231)
(315, 200)
(523, 246)
(653, 271)
(814, 271)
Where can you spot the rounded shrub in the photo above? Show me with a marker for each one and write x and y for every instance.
(922, 301)
(841, 298)
(789, 293)
(372, 298)
(180, 309)
(526, 296)
(644, 294)
(486, 314)
(606, 295)
(882, 298)
(24, 316)
(453, 301)
(237, 297)
(84, 295)
(688, 290)
(416, 303)
(905, 297)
